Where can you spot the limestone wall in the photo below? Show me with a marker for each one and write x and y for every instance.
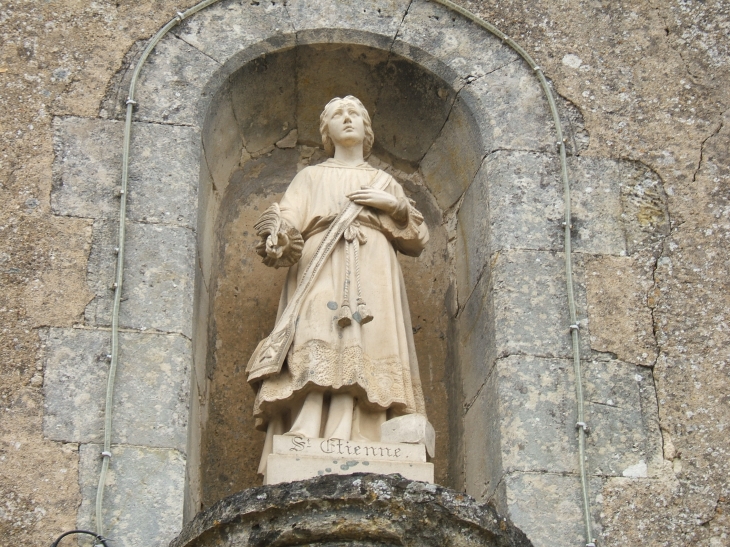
(648, 79)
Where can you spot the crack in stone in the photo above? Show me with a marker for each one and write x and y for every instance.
(400, 26)
(196, 48)
(702, 147)
(388, 61)
(668, 37)
(469, 404)
(202, 277)
(655, 284)
(603, 404)
(166, 124)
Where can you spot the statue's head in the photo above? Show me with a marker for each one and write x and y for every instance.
(329, 145)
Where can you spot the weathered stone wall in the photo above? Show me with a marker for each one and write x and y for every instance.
(648, 79)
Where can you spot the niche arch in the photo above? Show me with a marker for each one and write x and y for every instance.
(442, 122)
(466, 130)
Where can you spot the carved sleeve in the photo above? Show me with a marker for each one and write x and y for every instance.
(281, 244)
(405, 228)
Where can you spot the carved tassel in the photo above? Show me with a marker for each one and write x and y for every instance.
(364, 312)
(345, 318)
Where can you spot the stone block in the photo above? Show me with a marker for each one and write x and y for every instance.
(482, 442)
(289, 468)
(476, 332)
(200, 334)
(411, 428)
(536, 411)
(87, 168)
(162, 171)
(226, 28)
(222, 141)
(645, 217)
(150, 392)
(526, 205)
(548, 508)
(622, 414)
(373, 16)
(171, 83)
(209, 202)
(158, 277)
(536, 414)
(531, 304)
(333, 448)
(143, 497)
(473, 245)
(431, 31)
(514, 110)
(454, 158)
(264, 101)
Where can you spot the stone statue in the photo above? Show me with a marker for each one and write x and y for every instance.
(341, 358)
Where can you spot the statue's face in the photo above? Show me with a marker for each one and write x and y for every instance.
(345, 123)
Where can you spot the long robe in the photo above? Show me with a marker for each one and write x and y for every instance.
(376, 361)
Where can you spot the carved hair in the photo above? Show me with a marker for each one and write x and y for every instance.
(329, 146)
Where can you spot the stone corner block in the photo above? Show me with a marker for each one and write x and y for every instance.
(171, 83)
(531, 313)
(163, 171)
(150, 392)
(226, 28)
(159, 276)
(465, 47)
(548, 508)
(455, 157)
(514, 108)
(411, 428)
(143, 495)
(375, 16)
(86, 168)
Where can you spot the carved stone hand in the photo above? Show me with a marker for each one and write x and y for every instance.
(377, 199)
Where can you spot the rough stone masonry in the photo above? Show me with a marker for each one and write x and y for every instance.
(649, 80)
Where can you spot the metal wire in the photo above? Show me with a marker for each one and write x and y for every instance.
(108, 407)
(131, 103)
(575, 336)
(102, 541)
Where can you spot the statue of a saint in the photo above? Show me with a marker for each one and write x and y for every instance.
(341, 358)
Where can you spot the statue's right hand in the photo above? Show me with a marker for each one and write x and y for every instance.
(275, 250)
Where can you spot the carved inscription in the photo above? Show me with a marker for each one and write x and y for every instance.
(338, 448)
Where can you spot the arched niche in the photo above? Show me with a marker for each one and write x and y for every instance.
(274, 99)
(446, 115)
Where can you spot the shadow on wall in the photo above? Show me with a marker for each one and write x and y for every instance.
(262, 128)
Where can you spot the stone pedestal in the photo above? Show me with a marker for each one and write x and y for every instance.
(297, 458)
(355, 510)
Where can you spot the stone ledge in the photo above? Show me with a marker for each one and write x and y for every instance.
(284, 468)
(359, 509)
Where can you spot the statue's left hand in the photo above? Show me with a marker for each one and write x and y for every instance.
(378, 199)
